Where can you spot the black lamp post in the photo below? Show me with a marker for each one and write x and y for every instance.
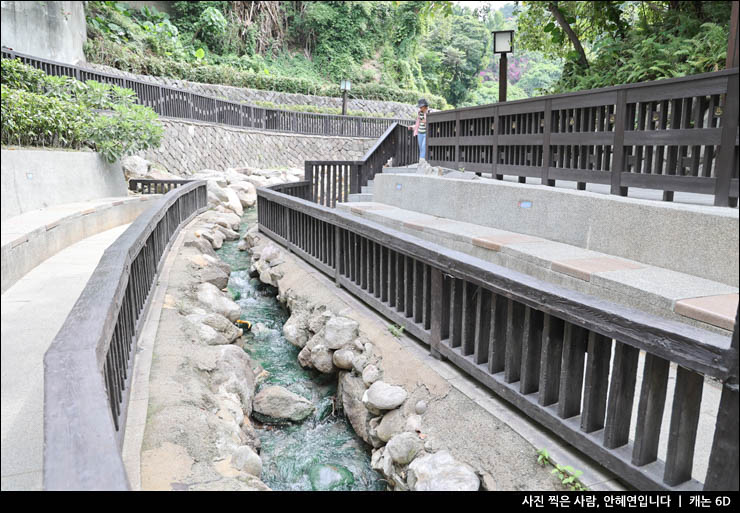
(503, 44)
(345, 85)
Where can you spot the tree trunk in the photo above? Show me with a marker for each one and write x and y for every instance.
(553, 8)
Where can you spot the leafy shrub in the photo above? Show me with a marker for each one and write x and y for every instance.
(42, 110)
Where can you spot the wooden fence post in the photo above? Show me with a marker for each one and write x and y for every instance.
(546, 145)
(618, 153)
(726, 161)
(722, 473)
(495, 145)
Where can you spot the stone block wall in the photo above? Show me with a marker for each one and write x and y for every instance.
(188, 147)
(251, 96)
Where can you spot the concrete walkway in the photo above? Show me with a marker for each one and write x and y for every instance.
(33, 311)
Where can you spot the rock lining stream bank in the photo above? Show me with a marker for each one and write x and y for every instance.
(203, 430)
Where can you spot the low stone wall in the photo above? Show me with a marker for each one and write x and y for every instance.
(251, 96)
(697, 240)
(188, 147)
(34, 179)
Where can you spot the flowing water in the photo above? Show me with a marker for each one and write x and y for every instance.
(323, 452)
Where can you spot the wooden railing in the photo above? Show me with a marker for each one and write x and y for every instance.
(176, 103)
(672, 135)
(332, 181)
(87, 369)
(545, 349)
(145, 186)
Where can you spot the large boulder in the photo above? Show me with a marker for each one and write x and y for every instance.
(343, 359)
(340, 331)
(276, 403)
(212, 298)
(390, 425)
(227, 220)
(404, 447)
(135, 167)
(246, 460)
(441, 472)
(321, 359)
(352, 388)
(295, 330)
(382, 396)
(233, 201)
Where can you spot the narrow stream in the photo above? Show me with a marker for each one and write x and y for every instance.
(322, 452)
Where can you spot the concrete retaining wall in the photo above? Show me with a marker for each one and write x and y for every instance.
(696, 240)
(188, 147)
(27, 250)
(34, 179)
(50, 30)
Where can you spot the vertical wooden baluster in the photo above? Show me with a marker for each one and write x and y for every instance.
(456, 309)
(372, 268)
(400, 283)
(684, 422)
(418, 290)
(621, 396)
(409, 282)
(571, 374)
(497, 343)
(518, 317)
(531, 353)
(552, 353)
(470, 293)
(597, 382)
(391, 285)
(384, 273)
(482, 326)
(363, 262)
(427, 299)
(650, 410)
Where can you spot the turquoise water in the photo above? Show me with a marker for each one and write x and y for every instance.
(323, 452)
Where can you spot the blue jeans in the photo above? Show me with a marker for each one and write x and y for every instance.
(422, 146)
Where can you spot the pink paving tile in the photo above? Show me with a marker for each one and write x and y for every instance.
(715, 310)
(583, 268)
(496, 242)
(415, 226)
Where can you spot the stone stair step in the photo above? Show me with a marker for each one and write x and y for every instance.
(367, 189)
(399, 170)
(360, 197)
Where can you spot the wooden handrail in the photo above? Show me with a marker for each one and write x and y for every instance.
(528, 341)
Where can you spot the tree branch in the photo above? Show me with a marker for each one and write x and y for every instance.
(553, 8)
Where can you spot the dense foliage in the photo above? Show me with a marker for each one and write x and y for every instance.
(61, 112)
(624, 42)
(402, 50)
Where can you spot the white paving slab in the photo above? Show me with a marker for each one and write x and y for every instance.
(33, 311)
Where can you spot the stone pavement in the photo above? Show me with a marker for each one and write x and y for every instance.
(33, 311)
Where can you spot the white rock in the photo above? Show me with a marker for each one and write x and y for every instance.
(246, 460)
(215, 300)
(421, 407)
(321, 359)
(404, 447)
(382, 396)
(279, 403)
(233, 201)
(343, 358)
(441, 472)
(413, 423)
(370, 374)
(340, 331)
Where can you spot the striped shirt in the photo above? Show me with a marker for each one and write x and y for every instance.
(422, 123)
